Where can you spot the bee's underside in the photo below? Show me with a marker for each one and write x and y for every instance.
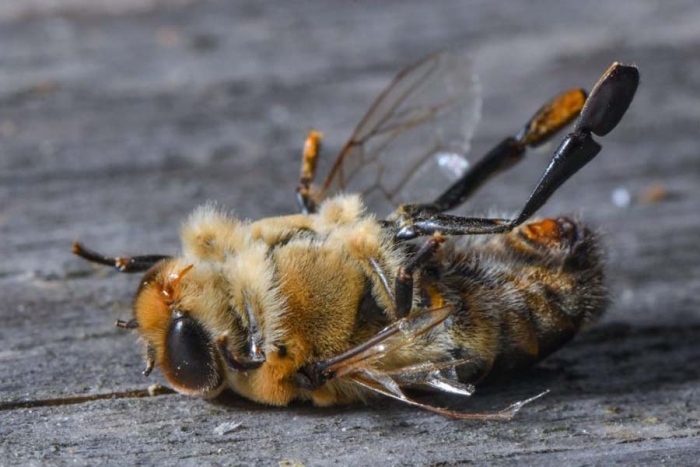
(332, 304)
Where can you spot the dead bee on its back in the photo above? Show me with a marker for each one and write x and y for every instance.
(333, 304)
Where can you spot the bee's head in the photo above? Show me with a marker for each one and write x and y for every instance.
(196, 327)
(177, 341)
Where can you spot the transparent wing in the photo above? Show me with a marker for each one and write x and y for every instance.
(413, 141)
(358, 365)
(397, 335)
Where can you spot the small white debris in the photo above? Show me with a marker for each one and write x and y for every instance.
(226, 428)
(453, 165)
(627, 295)
(621, 197)
(154, 389)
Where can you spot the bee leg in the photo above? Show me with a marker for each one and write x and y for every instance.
(544, 124)
(310, 377)
(312, 147)
(403, 287)
(150, 350)
(127, 265)
(603, 110)
(379, 272)
(576, 150)
(131, 324)
(150, 360)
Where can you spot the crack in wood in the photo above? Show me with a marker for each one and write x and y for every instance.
(158, 390)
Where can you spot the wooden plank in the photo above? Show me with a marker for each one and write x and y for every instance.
(114, 126)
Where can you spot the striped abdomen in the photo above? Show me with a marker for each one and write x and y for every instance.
(523, 295)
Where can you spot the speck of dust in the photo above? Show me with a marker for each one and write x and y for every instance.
(226, 428)
(453, 165)
(621, 197)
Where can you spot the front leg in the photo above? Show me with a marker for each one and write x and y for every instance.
(403, 288)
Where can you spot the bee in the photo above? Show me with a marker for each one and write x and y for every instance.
(337, 303)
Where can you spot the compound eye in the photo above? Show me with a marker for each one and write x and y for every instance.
(192, 365)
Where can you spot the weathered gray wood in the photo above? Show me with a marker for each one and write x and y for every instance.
(115, 123)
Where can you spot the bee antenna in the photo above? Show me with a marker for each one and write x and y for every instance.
(127, 265)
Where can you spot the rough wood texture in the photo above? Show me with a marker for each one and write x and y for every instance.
(116, 122)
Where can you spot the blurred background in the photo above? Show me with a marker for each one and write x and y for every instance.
(118, 117)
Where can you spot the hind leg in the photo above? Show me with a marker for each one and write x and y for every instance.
(602, 112)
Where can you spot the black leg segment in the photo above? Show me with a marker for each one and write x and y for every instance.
(610, 99)
(607, 104)
(544, 124)
(604, 109)
(404, 279)
(577, 150)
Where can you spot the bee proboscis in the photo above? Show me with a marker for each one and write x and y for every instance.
(334, 304)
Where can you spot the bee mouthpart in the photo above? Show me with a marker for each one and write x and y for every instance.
(240, 363)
